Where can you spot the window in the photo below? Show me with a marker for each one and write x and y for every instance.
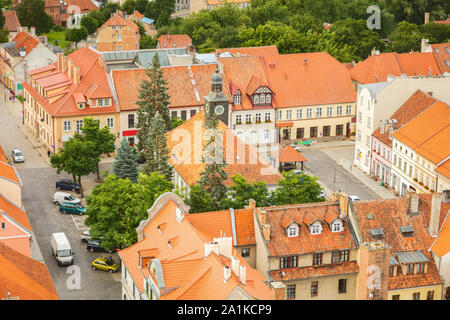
(238, 119)
(336, 226)
(416, 296)
(313, 132)
(339, 111)
(119, 36)
(193, 112)
(258, 117)
(329, 111)
(79, 125)
(237, 98)
(248, 118)
(339, 129)
(268, 98)
(292, 230)
(396, 297)
(368, 140)
(359, 117)
(348, 110)
(262, 98)
(318, 112)
(256, 99)
(3, 225)
(316, 228)
(290, 291)
(266, 136)
(279, 115)
(421, 268)
(314, 288)
(345, 255)
(430, 295)
(309, 113)
(110, 122)
(342, 286)
(326, 131)
(267, 117)
(245, 252)
(288, 262)
(335, 257)
(369, 122)
(300, 133)
(67, 125)
(107, 101)
(119, 48)
(299, 113)
(183, 114)
(410, 268)
(317, 259)
(100, 102)
(289, 114)
(131, 121)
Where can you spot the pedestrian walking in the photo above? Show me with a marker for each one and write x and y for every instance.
(48, 153)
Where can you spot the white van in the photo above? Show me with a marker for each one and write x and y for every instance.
(60, 197)
(61, 249)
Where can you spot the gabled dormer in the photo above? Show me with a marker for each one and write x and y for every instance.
(337, 225)
(237, 97)
(316, 227)
(293, 230)
(259, 93)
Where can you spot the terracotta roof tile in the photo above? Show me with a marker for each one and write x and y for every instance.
(444, 169)
(428, 133)
(417, 103)
(12, 23)
(441, 245)
(9, 173)
(250, 166)
(24, 277)
(174, 41)
(25, 40)
(347, 267)
(250, 51)
(442, 53)
(289, 154)
(3, 156)
(84, 5)
(17, 214)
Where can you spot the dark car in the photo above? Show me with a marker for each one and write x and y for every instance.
(96, 245)
(66, 184)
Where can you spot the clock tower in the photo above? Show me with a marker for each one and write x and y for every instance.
(216, 102)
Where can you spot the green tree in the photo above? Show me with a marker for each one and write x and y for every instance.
(77, 157)
(153, 99)
(156, 152)
(141, 5)
(109, 9)
(414, 10)
(199, 200)
(125, 163)
(102, 139)
(117, 206)
(176, 121)
(90, 24)
(213, 178)
(147, 42)
(98, 17)
(406, 37)
(76, 34)
(295, 188)
(436, 32)
(141, 28)
(32, 13)
(159, 10)
(129, 6)
(241, 191)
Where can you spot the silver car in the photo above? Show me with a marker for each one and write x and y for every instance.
(17, 156)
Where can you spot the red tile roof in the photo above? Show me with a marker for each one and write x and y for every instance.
(174, 41)
(3, 156)
(289, 154)
(187, 274)
(250, 165)
(93, 83)
(9, 173)
(23, 277)
(444, 169)
(15, 213)
(25, 40)
(12, 23)
(377, 67)
(118, 20)
(184, 90)
(304, 215)
(441, 245)
(250, 51)
(307, 79)
(390, 215)
(416, 104)
(85, 6)
(442, 53)
(428, 133)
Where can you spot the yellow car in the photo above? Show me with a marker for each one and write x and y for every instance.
(105, 264)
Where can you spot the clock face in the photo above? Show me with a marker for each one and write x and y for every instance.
(219, 110)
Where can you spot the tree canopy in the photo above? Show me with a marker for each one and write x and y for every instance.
(32, 13)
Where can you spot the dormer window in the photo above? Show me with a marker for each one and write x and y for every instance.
(237, 98)
(337, 226)
(81, 106)
(262, 98)
(292, 230)
(316, 228)
(256, 99)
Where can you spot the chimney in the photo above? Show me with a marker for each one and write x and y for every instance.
(436, 201)
(427, 17)
(423, 45)
(59, 57)
(226, 273)
(101, 61)
(86, 44)
(251, 204)
(64, 64)
(235, 265)
(33, 31)
(343, 204)
(277, 291)
(76, 74)
(211, 247)
(70, 69)
(243, 274)
(413, 202)
(266, 231)
(224, 245)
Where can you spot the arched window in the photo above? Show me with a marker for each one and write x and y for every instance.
(268, 98)
(262, 98)
(266, 136)
(253, 137)
(237, 99)
(256, 99)
(240, 135)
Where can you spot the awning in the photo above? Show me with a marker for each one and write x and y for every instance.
(284, 124)
(127, 133)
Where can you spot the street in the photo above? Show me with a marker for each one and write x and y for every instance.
(74, 282)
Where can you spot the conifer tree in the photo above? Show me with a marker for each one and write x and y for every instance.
(156, 152)
(153, 100)
(125, 164)
(212, 179)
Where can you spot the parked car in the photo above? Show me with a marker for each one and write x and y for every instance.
(297, 172)
(61, 249)
(354, 198)
(60, 197)
(67, 207)
(96, 245)
(67, 184)
(85, 236)
(105, 264)
(17, 155)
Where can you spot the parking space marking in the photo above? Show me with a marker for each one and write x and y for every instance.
(79, 222)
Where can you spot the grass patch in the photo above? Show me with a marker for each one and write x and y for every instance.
(60, 36)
